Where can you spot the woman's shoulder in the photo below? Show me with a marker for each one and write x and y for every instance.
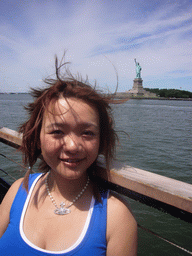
(11, 193)
(118, 205)
(6, 204)
(121, 226)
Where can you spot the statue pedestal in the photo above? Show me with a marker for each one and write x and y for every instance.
(137, 89)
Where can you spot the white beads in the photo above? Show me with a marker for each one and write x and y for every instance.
(74, 200)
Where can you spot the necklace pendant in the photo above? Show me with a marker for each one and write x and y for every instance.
(62, 210)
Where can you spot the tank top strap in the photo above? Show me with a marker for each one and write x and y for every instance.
(20, 198)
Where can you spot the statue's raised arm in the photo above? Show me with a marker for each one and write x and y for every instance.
(138, 69)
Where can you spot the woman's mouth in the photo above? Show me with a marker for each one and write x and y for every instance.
(72, 162)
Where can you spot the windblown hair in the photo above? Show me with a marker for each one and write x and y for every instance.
(66, 86)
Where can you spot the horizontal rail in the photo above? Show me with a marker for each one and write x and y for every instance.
(160, 192)
(10, 137)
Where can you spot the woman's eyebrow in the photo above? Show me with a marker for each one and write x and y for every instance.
(55, 124)
(88, 124)
(81, 124)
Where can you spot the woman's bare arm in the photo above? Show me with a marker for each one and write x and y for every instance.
(121, 229)
(6, 204)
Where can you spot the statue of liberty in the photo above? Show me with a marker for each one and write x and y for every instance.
(138, 69)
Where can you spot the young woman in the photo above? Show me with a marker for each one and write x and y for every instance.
(64, 210)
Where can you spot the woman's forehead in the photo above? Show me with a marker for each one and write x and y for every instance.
(72, 107)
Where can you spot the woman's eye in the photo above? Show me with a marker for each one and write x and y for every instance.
(57, 132)
(88, 133)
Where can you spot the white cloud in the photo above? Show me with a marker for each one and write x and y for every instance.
(89, 31)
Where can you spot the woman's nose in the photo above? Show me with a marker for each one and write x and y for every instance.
(72, 144)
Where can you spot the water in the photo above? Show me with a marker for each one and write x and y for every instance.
(157, 138)
(160, 136)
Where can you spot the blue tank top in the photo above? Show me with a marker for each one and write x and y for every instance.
(91, 242)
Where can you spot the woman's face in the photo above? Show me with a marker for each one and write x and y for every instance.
(70, 137)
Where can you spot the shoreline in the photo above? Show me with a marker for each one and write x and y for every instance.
(120, 95)
(124, 95)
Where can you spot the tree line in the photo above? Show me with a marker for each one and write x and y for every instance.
(170, 93)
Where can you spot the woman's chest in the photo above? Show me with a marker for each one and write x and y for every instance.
(43, 228)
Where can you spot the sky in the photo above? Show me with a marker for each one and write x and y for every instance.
(100, 40)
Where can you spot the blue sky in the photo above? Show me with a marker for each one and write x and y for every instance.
(97, 35)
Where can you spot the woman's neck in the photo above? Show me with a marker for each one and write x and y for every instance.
(63, 188)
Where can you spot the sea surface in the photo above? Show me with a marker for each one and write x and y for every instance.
(154, 135)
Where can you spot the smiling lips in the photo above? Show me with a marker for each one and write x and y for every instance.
(71, 160)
